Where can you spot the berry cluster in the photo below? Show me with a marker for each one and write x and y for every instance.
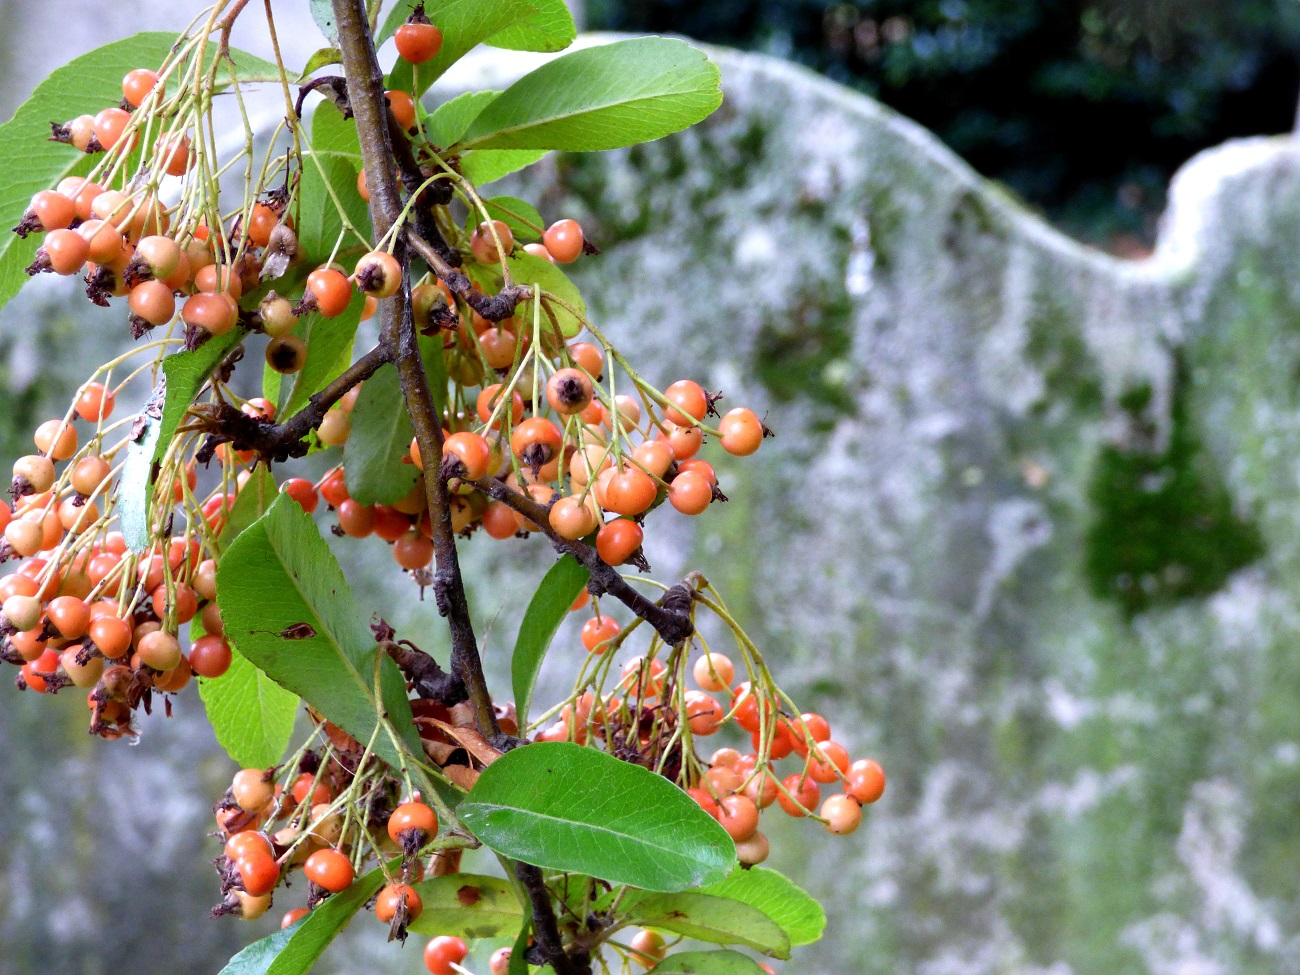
(541, 426)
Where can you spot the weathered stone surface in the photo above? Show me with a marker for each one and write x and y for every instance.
(1029, 529)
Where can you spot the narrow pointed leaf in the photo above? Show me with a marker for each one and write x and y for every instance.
(288, 609)
(707, 963)
(707, 917)
(468, 906)
(322, 11)
(564, 807)
(602, 98)
(546, 611)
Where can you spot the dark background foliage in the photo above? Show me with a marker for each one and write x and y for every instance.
(1083, 107)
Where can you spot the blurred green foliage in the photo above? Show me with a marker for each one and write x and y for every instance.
(1083, 107)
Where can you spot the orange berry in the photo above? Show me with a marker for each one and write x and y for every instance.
(487, 403)
(865, 780)
(690, 403)
(261, 222)
(259, 872)
(54, 210)
(56, 439)
(137, 84)
(648, 948)
(564, 239)
(690, 493)
(441, 953)
(153, 301)
(70, 616)
(412, 816)
(293, 917)
(569, 391)
(630, 491)
(413, 551)
(159, 650)
(333, 291)
(112, 635)
(219, 279)
(714, 672)
(655, 456)
(806, 794)
(499, 521)
(742, 432)
(173, 151)
(588, 357)
(67, 251)
(598, 631)
(403, 108)
(618, 540)
(210, 656)
(484, 245)
(393, 897)
(572, 518)
(843, 814)
(214, 313)
(110, 124)
(827, 763)
(356, 520)
(472, 451)
(330, 870)
(378, 273)
(704, 713)
(738, 816)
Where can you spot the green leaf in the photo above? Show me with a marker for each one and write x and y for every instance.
(780, 898)
(329, 343)
(450, 120)
(322, 11)
(707, 963)
(564, 807)
(548, 608)
(251, 715)
(706, 917)
(602, 98)
(250, 504)
(184, 374)
(519, 215)
(320, 224)
(518, 963)
(465, 24)
(287, 608)
(381, 434)
(325, 56)
(31, 163)
(295, 949)
(484, 166)
(489, 909)
(333, 134)
(550, 29)
(527, 269)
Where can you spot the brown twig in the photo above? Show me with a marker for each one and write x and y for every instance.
(670, 616)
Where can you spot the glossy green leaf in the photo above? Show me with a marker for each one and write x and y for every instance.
(31, 162)
(707, 963)
(329, 351)
(450, 120)
(325, 56)
(602, 98)
(184, 374)
(465, 24)
(550, 29)
(527, 269)
(295, 949)
(487, 908)
(322, 11)
(381, 435)
(546, 611)
(565, 807)
(287, 607)
(707, 917)
(519, 215)
(781, 899)
(484, 166)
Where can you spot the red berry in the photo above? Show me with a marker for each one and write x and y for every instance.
(418, 43)
(330, 870)
(564, 239)
(333, 291)
(443, 952)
